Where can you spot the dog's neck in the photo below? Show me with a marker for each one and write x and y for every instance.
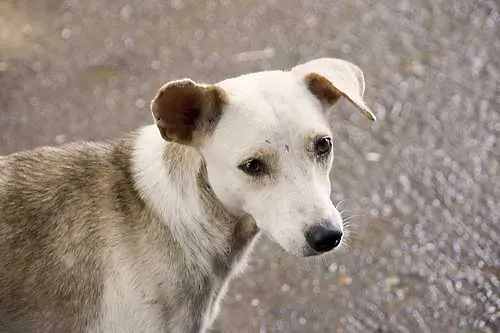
(172, 180)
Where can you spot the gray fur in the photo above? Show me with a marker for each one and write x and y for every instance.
(65, 212)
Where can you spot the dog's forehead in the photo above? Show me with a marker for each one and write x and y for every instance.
(266, 110)
(267, 86)
(272, 99)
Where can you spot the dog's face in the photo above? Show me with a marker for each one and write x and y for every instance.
(267, 145)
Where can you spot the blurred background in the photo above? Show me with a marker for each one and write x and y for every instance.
(420, 187)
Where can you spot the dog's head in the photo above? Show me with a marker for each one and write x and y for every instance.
(267, 145)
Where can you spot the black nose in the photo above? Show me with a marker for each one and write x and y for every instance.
(323, 239)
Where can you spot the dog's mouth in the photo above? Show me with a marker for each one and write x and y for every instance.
(308, 251)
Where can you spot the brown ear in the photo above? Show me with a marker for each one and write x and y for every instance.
(329, 79)
(322, 89)
(185, 111)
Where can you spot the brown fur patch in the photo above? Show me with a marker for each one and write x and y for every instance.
(185, 111)
(322, 89)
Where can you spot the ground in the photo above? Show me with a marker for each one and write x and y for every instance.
(421, 187)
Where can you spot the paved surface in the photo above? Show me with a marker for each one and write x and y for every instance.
(421, 186)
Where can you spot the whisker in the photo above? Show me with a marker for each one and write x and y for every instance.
(351, 237)
(350, 218)
(349, 213)
(351, 234)
(348, 225)
(346, 244)
(340, 203)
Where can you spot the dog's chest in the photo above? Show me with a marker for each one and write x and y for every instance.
(175, 304)
(153, 293)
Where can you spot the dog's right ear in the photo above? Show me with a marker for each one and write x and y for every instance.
(185, 111)
(329, 79)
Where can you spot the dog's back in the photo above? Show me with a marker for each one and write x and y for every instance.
(56, 210)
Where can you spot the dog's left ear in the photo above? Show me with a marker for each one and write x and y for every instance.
(185, 111)
(329, 79)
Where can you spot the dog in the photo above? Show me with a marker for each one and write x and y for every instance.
(143, 234)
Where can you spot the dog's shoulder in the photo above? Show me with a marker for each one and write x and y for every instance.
(78, 181)
(60, 207)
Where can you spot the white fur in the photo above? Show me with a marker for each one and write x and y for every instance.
(275, 106)
(171, 189)
(273, 111)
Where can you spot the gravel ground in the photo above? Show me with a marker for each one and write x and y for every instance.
(421, 187)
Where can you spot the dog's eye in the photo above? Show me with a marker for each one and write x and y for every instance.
(323, 146)
(253, 167)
